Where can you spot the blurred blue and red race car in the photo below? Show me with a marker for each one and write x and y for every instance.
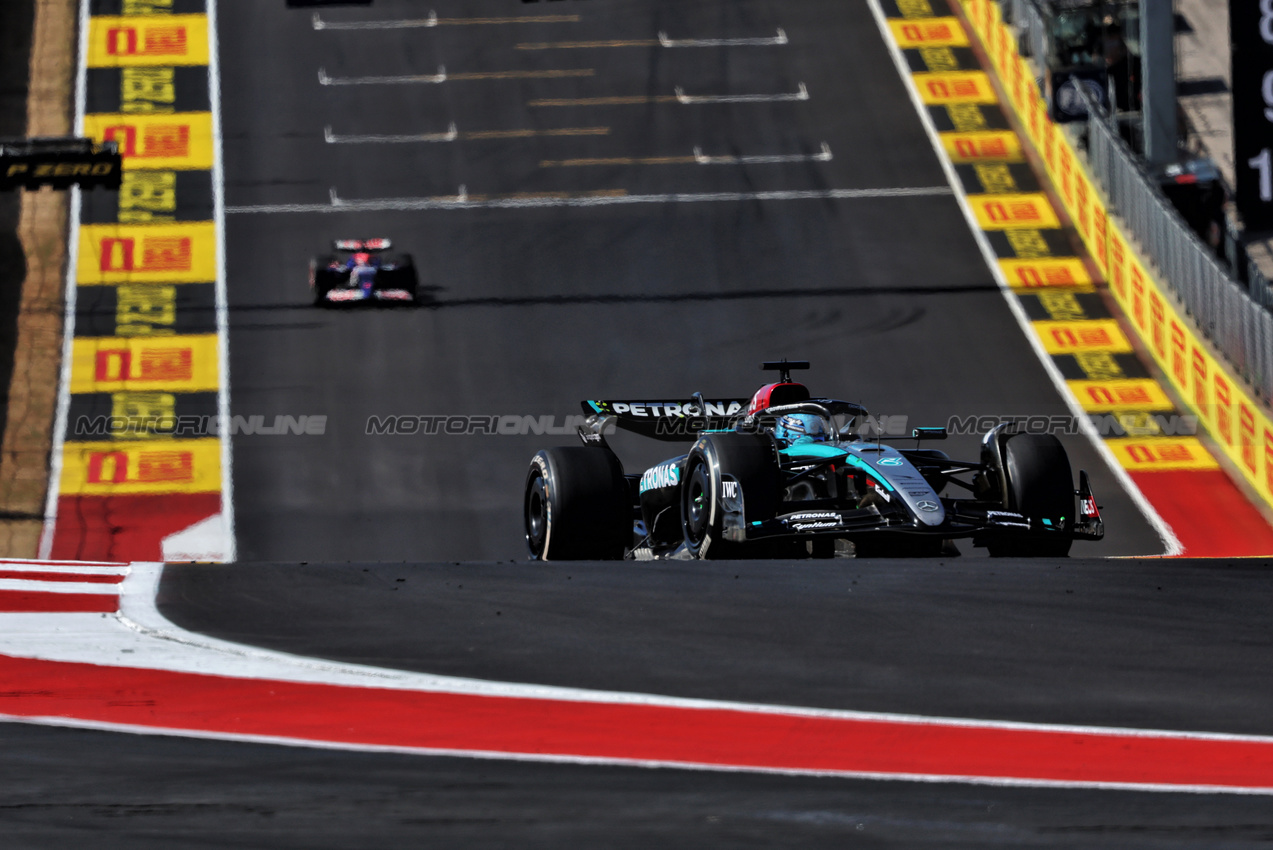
(359, 272)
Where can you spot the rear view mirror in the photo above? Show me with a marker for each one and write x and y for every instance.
(929, 434)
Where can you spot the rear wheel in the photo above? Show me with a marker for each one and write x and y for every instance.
(749, 460)
(1040, 486)
(576, 505)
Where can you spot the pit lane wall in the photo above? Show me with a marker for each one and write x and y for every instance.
(138, 465)
(1240, 425)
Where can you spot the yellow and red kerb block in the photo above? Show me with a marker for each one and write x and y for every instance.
(1000, 212)
(1069, 272)
(119, 41)
(1082, 336)
(141, 364)
(1123, 394)
(146, 253)
(954, 87)
(1156, 454)
(144, 466)
(175, 141)
(929, 32)
(982, 146)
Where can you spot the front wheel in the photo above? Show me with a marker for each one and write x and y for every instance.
(576, 505)
(745, 464)
(1039, 486)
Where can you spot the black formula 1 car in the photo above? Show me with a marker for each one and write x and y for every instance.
(789, 475)
(359, 272)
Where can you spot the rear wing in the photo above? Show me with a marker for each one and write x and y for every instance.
(362, 244)
(667, 420)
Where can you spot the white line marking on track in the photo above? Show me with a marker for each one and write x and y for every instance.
(1168, 538)
(333, 139)
(452, 134)
(442, 76)
(780, 38)
(801, 93)
(68, 330)
(29, 586)
(222, 297)
(662, 41)
(463, 201)
(125, 728)
(59, 568)
(325, 80)
(320, 24)
(433, 20)
(140, 637)
(75, 566)
(702, 159)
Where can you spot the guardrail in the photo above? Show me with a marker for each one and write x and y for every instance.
(1236, 321)
(1222, 388)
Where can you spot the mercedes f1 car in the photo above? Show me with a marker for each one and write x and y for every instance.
(359, 272)
(790, 475)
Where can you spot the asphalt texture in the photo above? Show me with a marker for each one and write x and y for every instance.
(1178, 644)
(532, 309)
(1156, 644)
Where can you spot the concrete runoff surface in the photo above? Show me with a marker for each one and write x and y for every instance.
(534, 308)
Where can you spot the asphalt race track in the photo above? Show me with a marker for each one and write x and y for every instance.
(1059, 641)
(584, 261)
(538, 305)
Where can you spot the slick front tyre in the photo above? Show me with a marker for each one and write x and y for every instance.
(577, 505)
(750, 460)
(1040, 486)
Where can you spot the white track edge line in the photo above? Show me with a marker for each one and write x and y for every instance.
(1165, 533)
(222, 300)
(494, 755)
(139, 614)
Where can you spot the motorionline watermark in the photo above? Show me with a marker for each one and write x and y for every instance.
(198, 426)
(520, 425)
(1137, 424)
(1115, 424)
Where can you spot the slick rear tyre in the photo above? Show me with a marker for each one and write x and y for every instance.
(750, 460)
(576, 505)
(1040, 486)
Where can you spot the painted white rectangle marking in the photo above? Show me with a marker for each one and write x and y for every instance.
(779, 39)
(703, 159)
(333, 139)
(463, 201)
(802, 93)
(25, 586)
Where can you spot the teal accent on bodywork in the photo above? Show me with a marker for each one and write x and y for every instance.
(870, 470)
(595, 406)
(820, 450)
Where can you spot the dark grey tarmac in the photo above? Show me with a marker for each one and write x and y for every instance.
(532, 309)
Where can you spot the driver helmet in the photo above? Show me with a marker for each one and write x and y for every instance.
(362, 258)
(796, 428)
